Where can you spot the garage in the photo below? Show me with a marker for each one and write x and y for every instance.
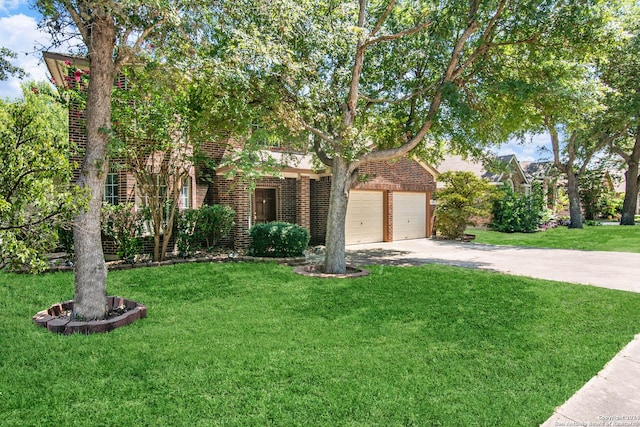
(409, 215)
(365, 217)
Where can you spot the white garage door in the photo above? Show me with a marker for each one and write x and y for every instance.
(365, 217)
(409, 216)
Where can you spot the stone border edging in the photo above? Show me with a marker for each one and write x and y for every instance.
(67, 326)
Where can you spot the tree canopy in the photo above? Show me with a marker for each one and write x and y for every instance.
(36, 195)
(375, 80)
(6, 67)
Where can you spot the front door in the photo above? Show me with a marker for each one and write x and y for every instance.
(265, 205)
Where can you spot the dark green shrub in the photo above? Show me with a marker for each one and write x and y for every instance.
(122, 224)
(203, 228)
(278, 239)
(65, 241)
(518, 213)
(186, 237)
(214, 224)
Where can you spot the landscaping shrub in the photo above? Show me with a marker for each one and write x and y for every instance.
(518, 213)
(597, 195)
(202, 229)
(464, 197)
(278, 239)
(122, 224)
(214, 223)
(186, 237)
(65, 241)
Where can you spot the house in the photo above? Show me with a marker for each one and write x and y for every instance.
(393, 203)
(547, 176)
(500, 170)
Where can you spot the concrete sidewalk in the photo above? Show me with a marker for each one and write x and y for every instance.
(612, 397)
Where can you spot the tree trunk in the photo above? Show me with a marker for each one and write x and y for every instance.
(335, 260)
(575, 213)
(631, 194)
(90, 301)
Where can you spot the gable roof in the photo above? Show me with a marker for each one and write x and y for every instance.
(482, 169)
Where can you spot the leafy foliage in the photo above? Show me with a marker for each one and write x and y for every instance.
(36, 196)
(596, 194)
(463, 198)
(518, 213)
(278, 239)
(203, 228)
(151, 137)
(124, 225)
(6, 67)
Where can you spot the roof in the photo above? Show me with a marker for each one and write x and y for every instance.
(58, 62)
(537, 170)
(482, 169)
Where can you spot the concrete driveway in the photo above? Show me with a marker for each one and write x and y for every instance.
(612, 270)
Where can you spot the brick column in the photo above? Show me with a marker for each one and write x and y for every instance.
(241, 198)
(303, 208)
(388, 216)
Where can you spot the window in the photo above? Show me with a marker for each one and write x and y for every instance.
(111, 189)
(185, 193)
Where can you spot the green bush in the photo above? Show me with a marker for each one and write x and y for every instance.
(202, 229)
(463, 197)
(278, 239)
(65, 241)
(518, 213)
(214, 224)
(186, 237)
(124, 226)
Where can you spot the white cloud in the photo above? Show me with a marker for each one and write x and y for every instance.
(527, 150)
(7, 5)
(20, 34)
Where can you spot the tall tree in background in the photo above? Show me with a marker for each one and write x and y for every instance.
(371, 80)
(112, 34)
(565, 98)
(6, 67)
(621, 72)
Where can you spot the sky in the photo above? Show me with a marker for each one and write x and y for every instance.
(19, 32)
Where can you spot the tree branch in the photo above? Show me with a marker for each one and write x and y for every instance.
(383, 18)
(406, 98)
(395, 36)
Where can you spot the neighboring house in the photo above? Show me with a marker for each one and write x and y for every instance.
(547, 175)
(501, 170)
(393, 203)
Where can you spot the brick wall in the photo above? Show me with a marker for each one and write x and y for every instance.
(320, 190)
(399, 175)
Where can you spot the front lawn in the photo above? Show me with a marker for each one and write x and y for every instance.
(591, 238)
(255, 344)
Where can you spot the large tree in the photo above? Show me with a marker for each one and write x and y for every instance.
(371, 80)
(36, 195)
(621, 72)
(564, 97)
(112, 33)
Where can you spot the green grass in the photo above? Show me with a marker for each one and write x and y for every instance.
(255, 345)
(593, 238)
